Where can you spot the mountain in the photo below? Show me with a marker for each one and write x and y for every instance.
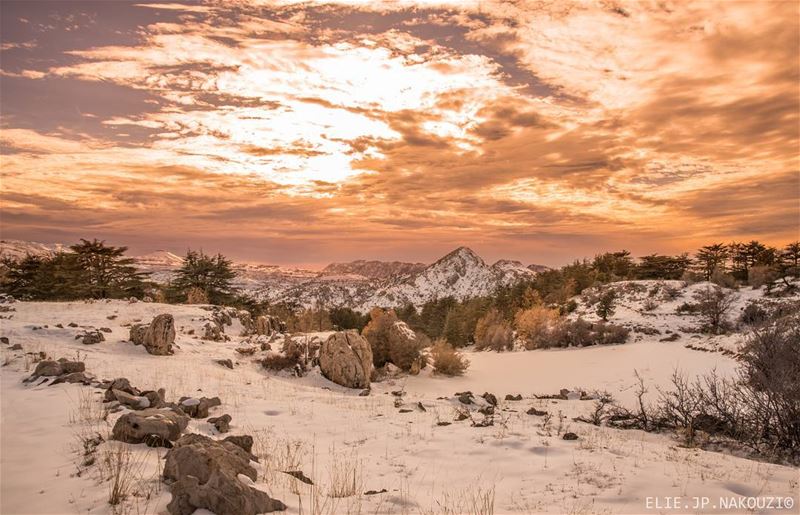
(373, 269)
(361, 284)
(17, 249)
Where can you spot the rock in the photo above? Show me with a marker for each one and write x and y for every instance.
(268, 325)
(150, 424)
(160, 335)
(72, 324)
(75, 377)
(364, 393)
(465, 398)
(121, 384)
(569, 436)
(137, 333)
(510, 397)
(536, 412)
(205, 474)
(4, 340)
(346, 359)
(70, 367)
(16, 346)
(443, 423)
(105, 329)
(486, 410)
(136, 402)
(564, 392)
(92, 338)
(156, 398)
(222, 423)
(461, 415)
(48, 369)
(213, 332)
(225, 363)
(490, 398)
(243, 441)
(198, 408)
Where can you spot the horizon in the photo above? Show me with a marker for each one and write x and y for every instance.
(281, 132)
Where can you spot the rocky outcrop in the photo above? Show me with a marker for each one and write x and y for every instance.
(268, 325)
(212, 475)
(346, 359)
(61, 367)
(157, 337)
(222, 423)
(155, 427)
(160, 335)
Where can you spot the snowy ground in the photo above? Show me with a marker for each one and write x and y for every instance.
(331, 433)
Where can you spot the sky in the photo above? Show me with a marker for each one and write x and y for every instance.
(309, 132)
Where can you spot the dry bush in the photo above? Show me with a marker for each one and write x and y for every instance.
(279, 362)
(448, 361)
(535, 326)
(122, 469)
(345, 476)
(760, 275)
(392, 341)
(493, 332)
(196, 295)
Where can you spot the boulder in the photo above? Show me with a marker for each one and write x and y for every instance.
(16, 346)
(70, 367)
(212, 475)
(222, 423)
(225, 363)
(213, 332)
(75, 377)
(569, 436)
(48, 369)
(160, 335)
(121, 384)
(151, 426)
(346, 359)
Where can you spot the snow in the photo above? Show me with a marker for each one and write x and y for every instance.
(313, 425)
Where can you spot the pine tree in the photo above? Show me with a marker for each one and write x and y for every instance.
(789, 261)
(213, 275)
(712, 258)
(101, 271)
(606, 305)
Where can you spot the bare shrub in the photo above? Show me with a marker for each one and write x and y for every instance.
(121, 469)
(760, 275)
(392, 341)
(448, 361)
(492, 331)
(535, 325)
(713, 305)
(753, 314)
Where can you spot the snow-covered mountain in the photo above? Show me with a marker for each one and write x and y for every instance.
(358, 284)
(18, 249)
(373, 269)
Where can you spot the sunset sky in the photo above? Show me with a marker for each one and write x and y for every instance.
(302, 132)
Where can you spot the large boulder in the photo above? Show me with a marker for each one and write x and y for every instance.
(346, 359)
(212, 475)
(160, 335)
(155, 427)
(48, 368)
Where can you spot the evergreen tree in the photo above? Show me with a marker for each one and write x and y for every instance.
(101, 271)
(790, 260)
(213, 275)
(712, 258)
(606, 305)
(657, 266)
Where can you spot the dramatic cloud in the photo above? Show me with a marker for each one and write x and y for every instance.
(307, 132)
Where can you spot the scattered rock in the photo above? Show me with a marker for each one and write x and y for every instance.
(72, 324)
(121, 384)
(486, 410)
(536, 412)
(671, 338)
(569, 436)
(406, 410)
(105, 329)
(16, 346)
(461, 416)
(421, 406)
(135, 402)
(510, 397)
(465, 398)
(364, 393)
(222, 423)
(376, 492)
(48, 369)
(490, 398)
(92, 337)
(150, 425)
(225, 363)
(74, 377)
(443, 423)
(346, 359)
(206, 474)
(198, 408)
(4, 340)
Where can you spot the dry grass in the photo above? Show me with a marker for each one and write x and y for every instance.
(448, 361)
